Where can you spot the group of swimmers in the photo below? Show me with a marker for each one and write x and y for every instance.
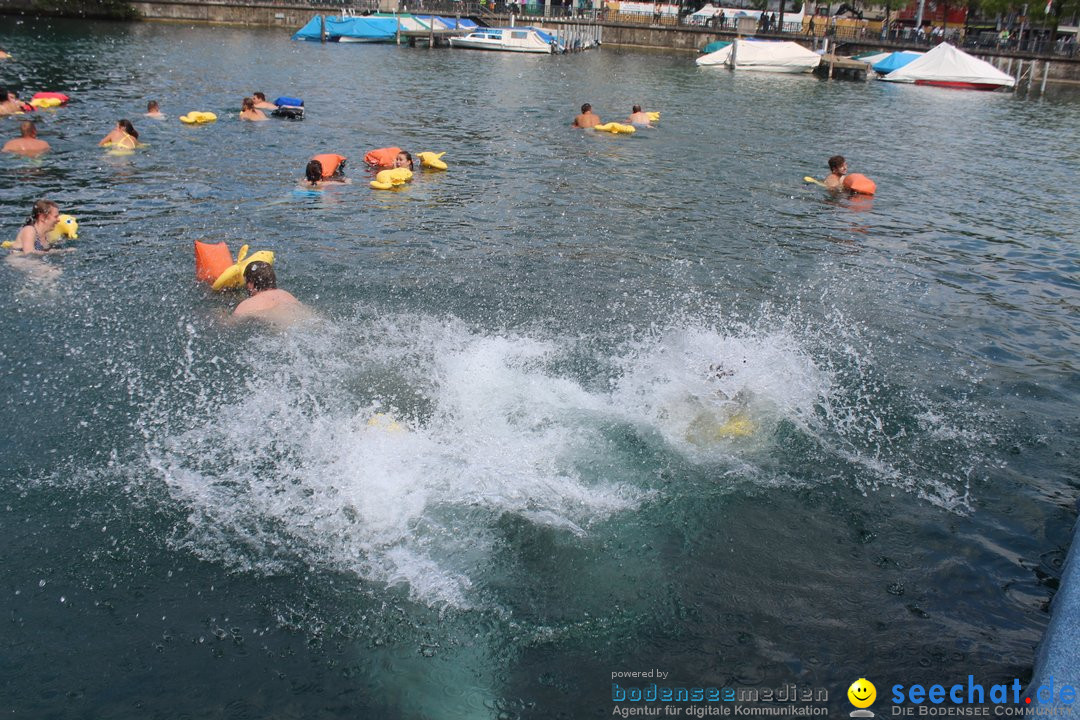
(588, 118)
(123, 136)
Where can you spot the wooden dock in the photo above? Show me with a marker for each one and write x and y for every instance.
(841, 68)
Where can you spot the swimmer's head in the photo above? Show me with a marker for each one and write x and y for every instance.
(836, 162)
(126, 126)
(152, 106)
(42, 209)
(637, 108)
(260, 97)
(28, 129)
(260, 276)
(247, 104)
(586, 108)
(313, 171)
(403, 160)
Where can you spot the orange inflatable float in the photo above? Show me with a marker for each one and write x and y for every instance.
(860, 184)
(211, 260)
(383, 157)
(330, 163)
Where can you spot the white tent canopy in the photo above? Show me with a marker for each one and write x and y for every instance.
(763, 55)
(945, 65)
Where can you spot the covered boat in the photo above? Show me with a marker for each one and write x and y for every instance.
(349, 29)
(764, 56)
(509, 39)
(895, 61)
(946, 66)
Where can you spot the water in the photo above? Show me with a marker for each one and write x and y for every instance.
(211, 521)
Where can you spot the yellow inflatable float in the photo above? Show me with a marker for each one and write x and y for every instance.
(385, 423)
(233, 276)
(198, 118)
(653, 116)
(67, 226)
(432, 160)
(46, 102)
(708, 428)
(616, 128)
(395, 177)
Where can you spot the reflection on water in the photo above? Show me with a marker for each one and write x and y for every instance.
(581, 403)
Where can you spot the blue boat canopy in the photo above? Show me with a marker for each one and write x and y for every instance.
(361, 28)
(715, 45)
(895, 61)
(311, 31)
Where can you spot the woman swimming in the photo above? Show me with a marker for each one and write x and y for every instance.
(325, 168)
(248, 110)
(123, 135)
(32, 239)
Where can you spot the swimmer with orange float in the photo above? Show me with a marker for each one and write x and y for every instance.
(839, 178)
(325, 168)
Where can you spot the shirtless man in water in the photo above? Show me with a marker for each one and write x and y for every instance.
(587, 118)
(266, 301)
(28, 144)
(837, 170)
(638, 118)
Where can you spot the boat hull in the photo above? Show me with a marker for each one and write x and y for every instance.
(475, 45)
(961, 85)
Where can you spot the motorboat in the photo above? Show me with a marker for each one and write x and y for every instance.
(946, 66)
(510, 39)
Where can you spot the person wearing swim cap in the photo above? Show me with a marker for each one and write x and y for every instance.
(28, 144)
(638, 118)
(266, 300)
(837, 170)
(261, 103)
(587, 118)
(249, 112)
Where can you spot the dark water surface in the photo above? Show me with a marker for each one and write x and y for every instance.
(200, 520)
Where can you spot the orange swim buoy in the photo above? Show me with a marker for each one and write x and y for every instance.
(211, 260)
(330, 163)
(383, 157)
(860, 184)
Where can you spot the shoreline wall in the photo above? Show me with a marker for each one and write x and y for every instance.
(293, 15)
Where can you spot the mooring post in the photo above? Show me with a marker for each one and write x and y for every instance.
(1046, 71)
(322, 30)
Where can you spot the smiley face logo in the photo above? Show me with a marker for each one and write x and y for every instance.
(862, 693)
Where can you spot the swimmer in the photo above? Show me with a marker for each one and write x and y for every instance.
(403, 160)
(248, 111)
(28, 144)
(587, 118)
(326, 168)
(153, 110)
(4, 55)
(638, 118)
(837, 170)
(9, 104)
(32, 239)
(267, 301)
(123, 135)
(261, 103)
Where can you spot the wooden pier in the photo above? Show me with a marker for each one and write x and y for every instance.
(841, 68)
